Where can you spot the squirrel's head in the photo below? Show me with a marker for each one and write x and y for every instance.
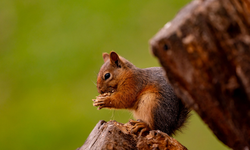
(112, 72)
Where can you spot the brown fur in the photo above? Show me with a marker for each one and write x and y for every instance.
(146, 101)
(144, 91)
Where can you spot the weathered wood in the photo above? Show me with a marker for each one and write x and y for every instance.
(205, 51)
(108, 136)
(113, 135)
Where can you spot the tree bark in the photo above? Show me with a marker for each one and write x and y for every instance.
(205, 51)
(113, 135)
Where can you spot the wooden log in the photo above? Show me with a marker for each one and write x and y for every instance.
(108, 136)
(113, 135)
(205, 51)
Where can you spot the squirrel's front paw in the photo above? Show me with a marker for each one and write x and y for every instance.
(101, 101)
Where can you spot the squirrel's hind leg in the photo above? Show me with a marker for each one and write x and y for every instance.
(138, 125)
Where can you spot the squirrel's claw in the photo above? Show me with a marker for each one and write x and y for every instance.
(138, 125)
(98, 103)
(100, 107)
(101, 102)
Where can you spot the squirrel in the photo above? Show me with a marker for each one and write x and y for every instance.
(146, 92)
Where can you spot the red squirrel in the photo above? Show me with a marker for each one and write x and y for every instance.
(145, 92)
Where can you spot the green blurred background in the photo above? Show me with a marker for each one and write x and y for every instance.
(50, 54)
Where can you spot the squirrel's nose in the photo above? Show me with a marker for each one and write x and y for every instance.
(100, 91)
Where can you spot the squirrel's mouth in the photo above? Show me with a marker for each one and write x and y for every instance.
(106, 91)
(109, 93)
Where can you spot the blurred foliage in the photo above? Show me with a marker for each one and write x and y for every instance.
(50, 54)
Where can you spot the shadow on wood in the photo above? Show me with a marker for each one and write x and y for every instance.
(113, 135)
(205, 51)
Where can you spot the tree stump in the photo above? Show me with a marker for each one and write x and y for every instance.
(113, 135)
(205, 51)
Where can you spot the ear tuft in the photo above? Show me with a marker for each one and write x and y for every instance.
(105, 56)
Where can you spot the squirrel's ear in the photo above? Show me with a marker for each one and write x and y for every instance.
(105, 56)
(114, 59)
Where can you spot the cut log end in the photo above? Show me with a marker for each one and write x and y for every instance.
(114, 135)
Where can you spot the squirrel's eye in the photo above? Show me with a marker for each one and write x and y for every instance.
(106, 76)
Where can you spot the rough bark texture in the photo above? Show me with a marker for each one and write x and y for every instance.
(205, 51)
(113, 135)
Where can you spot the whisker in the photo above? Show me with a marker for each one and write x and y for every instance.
(113, 115)
(131, 116)
(93, 82)
(95, 73)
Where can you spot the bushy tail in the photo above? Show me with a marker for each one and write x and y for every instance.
(184, 114)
